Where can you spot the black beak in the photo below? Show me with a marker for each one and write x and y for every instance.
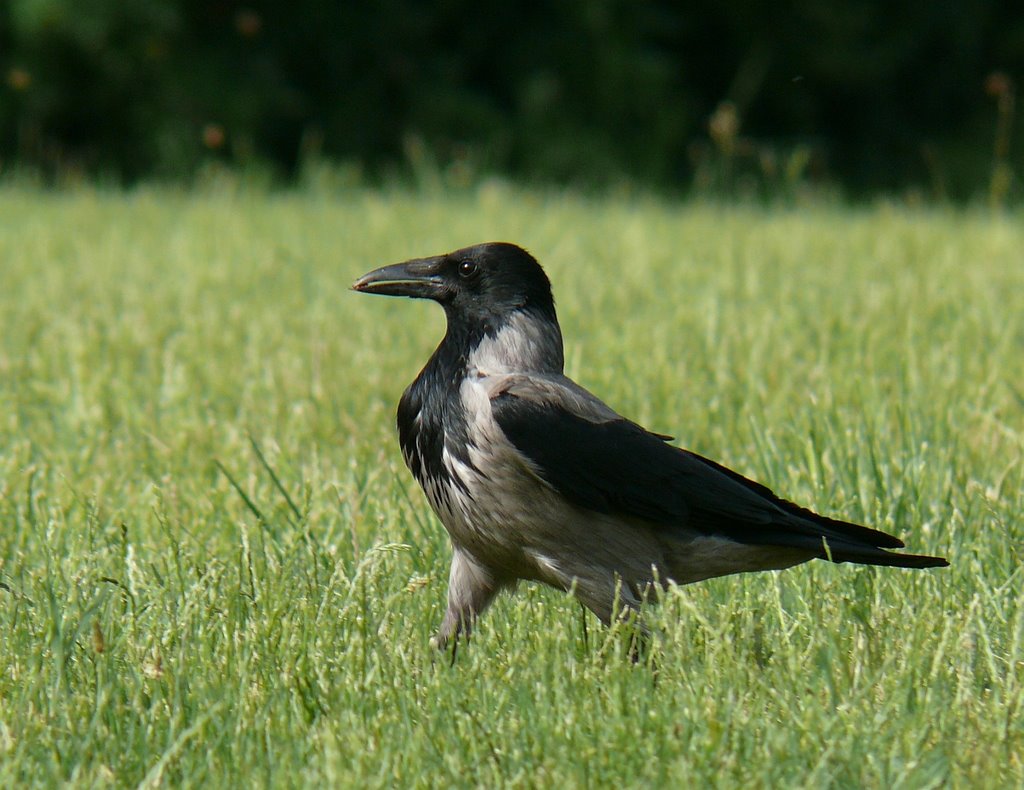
(418, 279)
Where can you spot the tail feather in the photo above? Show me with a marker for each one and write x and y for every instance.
(837, 541)
(869, 555)
(793, 526)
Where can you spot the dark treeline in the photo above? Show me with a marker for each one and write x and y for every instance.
(870, 95)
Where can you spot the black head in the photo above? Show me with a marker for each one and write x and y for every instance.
(484, 283)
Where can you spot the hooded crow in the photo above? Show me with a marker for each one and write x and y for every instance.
(537, 479)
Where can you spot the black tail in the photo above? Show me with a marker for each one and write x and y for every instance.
(798, 527)
(834, 540)
(872, 555)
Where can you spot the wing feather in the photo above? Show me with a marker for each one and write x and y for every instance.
(606, 463)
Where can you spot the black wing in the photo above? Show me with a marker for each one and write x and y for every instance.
(615, 466)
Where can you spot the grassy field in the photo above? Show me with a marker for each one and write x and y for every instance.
(215, 570)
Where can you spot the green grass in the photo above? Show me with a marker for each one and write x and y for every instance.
(155, 631)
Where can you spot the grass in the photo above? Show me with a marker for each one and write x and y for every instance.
(215, 571)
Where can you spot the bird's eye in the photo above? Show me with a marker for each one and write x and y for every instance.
(467, 269)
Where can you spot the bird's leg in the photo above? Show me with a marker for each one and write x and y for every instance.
(640, 638)
(619, 604)
(639, 642)
(471, 588)
(586, 634)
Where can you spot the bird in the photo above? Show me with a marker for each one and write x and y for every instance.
(536, 479)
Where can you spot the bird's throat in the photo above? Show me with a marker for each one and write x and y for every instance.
(524, 343)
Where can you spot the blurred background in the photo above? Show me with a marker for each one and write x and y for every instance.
(744, 98)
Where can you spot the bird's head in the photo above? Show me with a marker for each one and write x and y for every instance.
(501, 314)
(483, 284)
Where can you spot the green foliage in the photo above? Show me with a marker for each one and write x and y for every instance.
(865, 94)
(215, 571)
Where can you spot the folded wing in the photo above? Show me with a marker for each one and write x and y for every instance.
(603, 462)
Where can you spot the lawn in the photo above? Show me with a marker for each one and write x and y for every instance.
(216, 571)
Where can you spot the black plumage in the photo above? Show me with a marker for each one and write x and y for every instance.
(535, 478)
